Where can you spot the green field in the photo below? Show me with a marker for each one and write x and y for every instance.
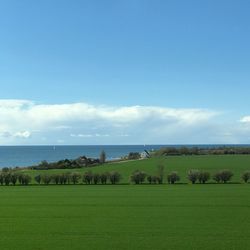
(125, 217)
(236, 163)
(181, 216)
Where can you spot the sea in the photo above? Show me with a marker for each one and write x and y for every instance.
(23, 156)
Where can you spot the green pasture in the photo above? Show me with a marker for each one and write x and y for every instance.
(212, 163)
(125, 217)
(181, 216)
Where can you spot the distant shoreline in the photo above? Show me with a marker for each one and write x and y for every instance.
(17, 156)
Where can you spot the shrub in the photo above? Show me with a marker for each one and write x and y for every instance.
(155, 179)
(134, 156)
(67, 177)
(44, 165)
(104, 178)
(20, 178)
(149, 179)
(14, 178)
(96, 178)
(63, 179)
(26, 180)
(223, 176)
(87, 177)
(2, 178)
(46, 179)
(203, 177)
(152, 179)
(75, 177)
(173, 177)
(246, 176)
(114, 177)
(55, 179)
(5, 169)
(7, 179)
(226, 175)
(38, 179)
(217, 177)
(138, 177)
(193, 176)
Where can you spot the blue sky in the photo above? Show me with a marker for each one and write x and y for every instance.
(179, 56)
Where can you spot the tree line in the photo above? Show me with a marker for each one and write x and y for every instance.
(88, 178)
(193, 176)
(80, 162)
(223, 150)
(114, 177)
(13, 178)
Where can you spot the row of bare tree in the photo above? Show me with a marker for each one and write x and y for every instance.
(113, 177)
(194, 176)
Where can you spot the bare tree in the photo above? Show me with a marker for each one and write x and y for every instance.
(114, 177)
(193, 176)
(173, 177)
(246, 176)
(203, 176)
(138, 177)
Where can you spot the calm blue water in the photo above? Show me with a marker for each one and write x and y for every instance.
(12, 156)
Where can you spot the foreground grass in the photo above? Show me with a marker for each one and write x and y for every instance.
(125, 217)
(212, 163)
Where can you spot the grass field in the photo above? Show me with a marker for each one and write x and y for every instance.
(125, 217)
(236, 163)
(181, 216)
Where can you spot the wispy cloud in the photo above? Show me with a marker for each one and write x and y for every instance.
(32, 122)
(245, 119)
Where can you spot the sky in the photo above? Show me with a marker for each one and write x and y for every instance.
(124, 72)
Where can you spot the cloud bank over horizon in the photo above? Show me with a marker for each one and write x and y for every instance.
(25, 122)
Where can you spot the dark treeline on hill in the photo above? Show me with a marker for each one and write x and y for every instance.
(134, 156)
(223, 150)
(81, 162)
(67, 164)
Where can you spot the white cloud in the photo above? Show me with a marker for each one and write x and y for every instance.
(19, 134)
(89, 135)
(245, 119)
(5, 134)
(22, 134)
(81, 135)
(14, 104)
(99, 124)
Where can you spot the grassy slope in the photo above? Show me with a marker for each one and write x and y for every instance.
(125, 217)
(236, 163)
